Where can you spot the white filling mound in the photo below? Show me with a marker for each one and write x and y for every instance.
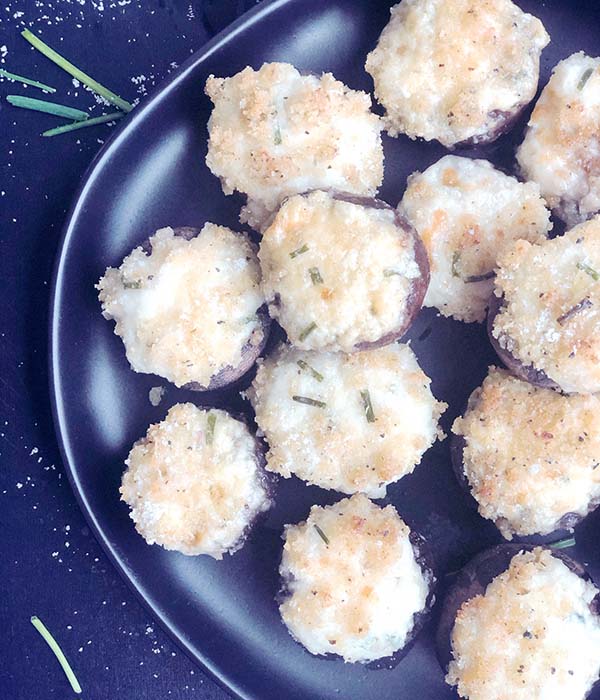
(186, 311)
(552, 316)
(335, 273)
(357, 423)
(193, 484)
(355, 583)
(451, 69)
(275, 132)
(532, 455)
(532, 635)
(561, 150)
(467, 213)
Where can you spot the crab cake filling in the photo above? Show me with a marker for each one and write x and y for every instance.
(194, 483)
(275, 132)
(561, 150)
(456, 70)
(352, 423)
(337, 274)
(354, 585)
(551, 313)
(467, 213)
(531, 455)
(531, 635)
(188, 309)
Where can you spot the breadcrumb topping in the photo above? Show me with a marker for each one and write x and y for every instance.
(532, 455)
(561, 150)
(551, 317)
(188, 309)
(366, 269)
(452, 70)
(374, 418)
(532, 635)
(275, 132)
(467, 213)
(353, 580)
(194, 483)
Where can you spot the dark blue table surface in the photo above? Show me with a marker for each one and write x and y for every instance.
(50, 564)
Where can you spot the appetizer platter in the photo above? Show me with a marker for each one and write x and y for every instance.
(325, 351)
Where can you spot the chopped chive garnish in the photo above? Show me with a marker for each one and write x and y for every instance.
(315, 275)
(367, 405)
(298, 251)
(210, 428)
(584, 78)
(57, 651)
(27, 81)
(309, 402)
(589, 270)
(277, 138)
(137, 284)
(307, 331)
(388, 272)
(574, 310)
(103, 119)
(311, 370)
(455, 260)
(47, 107)
(563, 544)
(322, 535)
(67, 66)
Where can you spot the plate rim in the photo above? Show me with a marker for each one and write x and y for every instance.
(242, 23)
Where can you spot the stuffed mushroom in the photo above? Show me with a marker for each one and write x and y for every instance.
(530, 457)
(275, 132)
(545, 322)
(521, 623)
(342, 273)
(459, 71)
(352, 423)
(355, 583)
(467, 213)
(561, 150)
(196, 482)
(189, 307)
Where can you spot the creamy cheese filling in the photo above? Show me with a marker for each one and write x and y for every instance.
(193, 484)
(532, 455)
(345, 422)
(561, 150)
(467, 213)
(187, 310)
(532, 635)
(275, 132)
(551, 319)
(354, 583)
(452, 69)
(336, 273)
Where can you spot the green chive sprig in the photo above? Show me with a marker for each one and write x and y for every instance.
(210, 428)
(309, 402)
(57, 651)
(102, 119)
(299, 251)
(367, 405)
(322, 535)
(67, 66)
(28, 81)
(589, 271)
(47, 107)
(307, 331)
(563, 544)
(311, 370)
(587, 74)
(315, 275)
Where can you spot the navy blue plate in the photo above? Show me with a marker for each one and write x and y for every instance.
(152, 174)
